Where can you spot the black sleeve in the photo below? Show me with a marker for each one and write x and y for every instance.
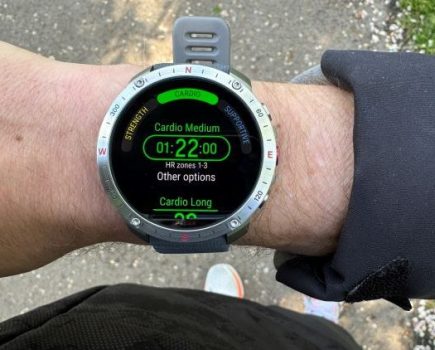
(387, 244)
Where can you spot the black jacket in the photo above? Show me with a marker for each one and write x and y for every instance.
(387, 245)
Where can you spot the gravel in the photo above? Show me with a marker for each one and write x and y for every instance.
(272, 40)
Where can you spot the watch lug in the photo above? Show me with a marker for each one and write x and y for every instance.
(159, 65)
(236, 234)
(241, 76)
(147, 70)
(150, 69)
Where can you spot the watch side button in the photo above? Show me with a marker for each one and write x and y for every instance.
(267, 110)
(277, 147)
(265, 199)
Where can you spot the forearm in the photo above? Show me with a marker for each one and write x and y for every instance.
(309, 199)
(51, 201)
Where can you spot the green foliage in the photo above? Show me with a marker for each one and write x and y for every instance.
(419, 23)
(217, 10)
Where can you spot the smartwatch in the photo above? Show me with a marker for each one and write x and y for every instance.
(186, 153)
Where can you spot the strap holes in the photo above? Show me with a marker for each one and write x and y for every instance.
(202, 62)
(201, 35)
(201, 49)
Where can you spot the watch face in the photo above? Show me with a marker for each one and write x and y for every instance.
(186, 153)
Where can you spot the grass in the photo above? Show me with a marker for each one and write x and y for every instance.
(418, 20)
(217, 10)
(430, 304)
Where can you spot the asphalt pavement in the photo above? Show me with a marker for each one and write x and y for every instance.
(272, 40)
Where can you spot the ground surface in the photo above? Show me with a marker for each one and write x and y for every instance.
(274, 40)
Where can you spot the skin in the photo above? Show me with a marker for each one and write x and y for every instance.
(51, 199)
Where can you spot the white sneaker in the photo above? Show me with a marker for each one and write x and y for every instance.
(224, 279)
(326, 309)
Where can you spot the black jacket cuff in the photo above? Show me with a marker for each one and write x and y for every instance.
(387, 244)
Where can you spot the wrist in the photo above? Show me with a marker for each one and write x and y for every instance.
(309, 199)
(97, 220)
(50, 198)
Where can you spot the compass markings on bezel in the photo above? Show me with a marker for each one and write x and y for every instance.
(218, 80)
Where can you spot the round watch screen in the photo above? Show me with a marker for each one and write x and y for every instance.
(186, 153)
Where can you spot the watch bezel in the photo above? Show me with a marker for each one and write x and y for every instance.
(142, 226)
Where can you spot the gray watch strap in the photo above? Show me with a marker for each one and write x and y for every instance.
(214, 245)
(199, 40)
(202, 40)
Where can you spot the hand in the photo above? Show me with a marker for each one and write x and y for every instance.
(51, 200)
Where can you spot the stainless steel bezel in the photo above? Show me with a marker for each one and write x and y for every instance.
(240, 217)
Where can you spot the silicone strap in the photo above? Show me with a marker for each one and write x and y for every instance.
(215, 245)
(199, 40)
(202, 40)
